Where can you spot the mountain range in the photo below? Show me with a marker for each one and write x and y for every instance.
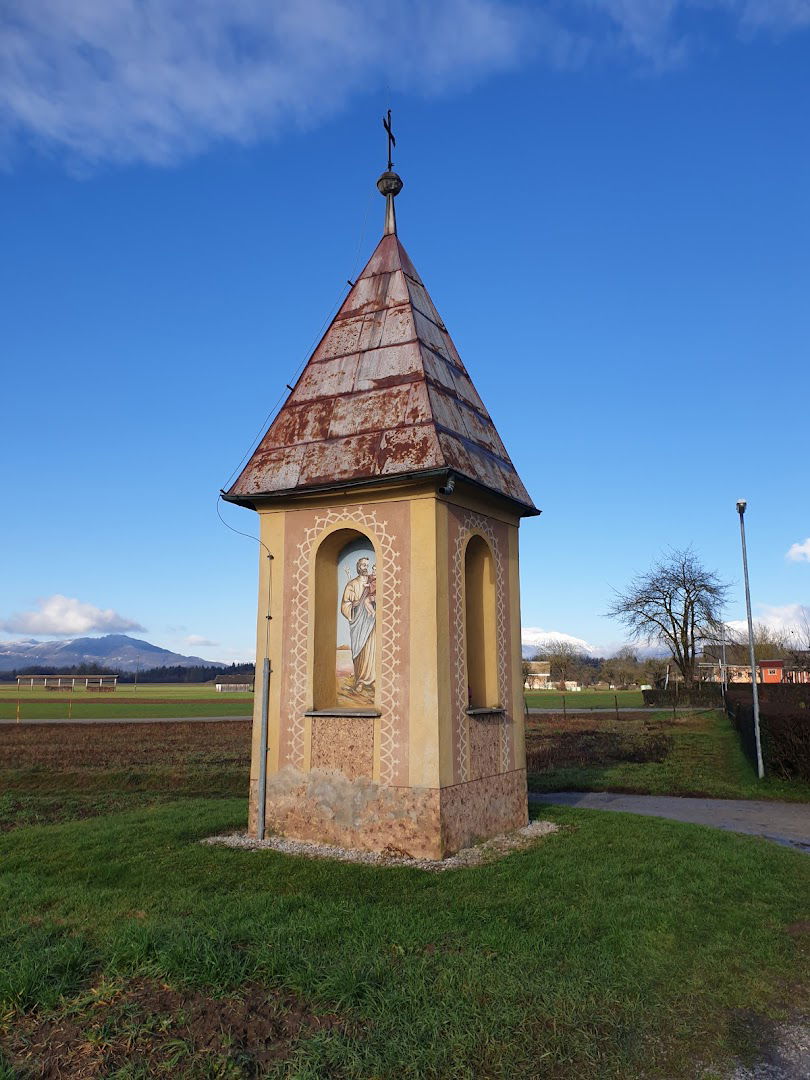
(118, 652)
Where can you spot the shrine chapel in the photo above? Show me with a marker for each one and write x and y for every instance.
(390, 713)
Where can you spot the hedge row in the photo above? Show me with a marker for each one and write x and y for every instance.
(702, 696)
(777, 697)
(773, 696)
(785, 738)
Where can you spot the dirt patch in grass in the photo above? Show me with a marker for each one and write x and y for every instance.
(154, 1030)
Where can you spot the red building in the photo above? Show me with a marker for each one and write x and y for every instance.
(771, 671)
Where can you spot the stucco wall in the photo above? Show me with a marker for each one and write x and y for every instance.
(326, 807)
(423, 775)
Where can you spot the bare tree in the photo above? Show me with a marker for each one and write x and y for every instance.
(622, 669)
(770, 643)
(800, 640)
(791, 643)
(654, 669)
(565, 660)
(676, 603)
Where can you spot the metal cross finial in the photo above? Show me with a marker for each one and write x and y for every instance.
(391, 140)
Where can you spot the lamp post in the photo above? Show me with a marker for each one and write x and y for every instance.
(723, 661)
(741, 505)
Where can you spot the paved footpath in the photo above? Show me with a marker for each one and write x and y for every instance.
(786, 823)
(130, 720)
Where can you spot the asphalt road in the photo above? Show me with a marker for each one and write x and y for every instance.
(786, 823)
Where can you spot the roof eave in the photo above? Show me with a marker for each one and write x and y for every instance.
(250, 501)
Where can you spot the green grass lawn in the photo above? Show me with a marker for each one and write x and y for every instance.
(147, 700)
(620, 947)
(125, 690)
(127, 950)
(703, 758)
(584, 699)
(87, 710)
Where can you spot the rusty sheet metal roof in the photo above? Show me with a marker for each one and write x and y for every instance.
(384, 394)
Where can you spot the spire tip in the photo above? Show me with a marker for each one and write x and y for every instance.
(389, 184)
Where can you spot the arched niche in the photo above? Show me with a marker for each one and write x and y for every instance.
(480, 624)
(346, 623)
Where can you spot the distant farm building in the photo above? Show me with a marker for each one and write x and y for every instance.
(771, 671)
(537, 675)
(234, 684)
(768, 671)
(97, 683)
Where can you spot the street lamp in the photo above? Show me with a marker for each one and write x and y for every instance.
(741, 505)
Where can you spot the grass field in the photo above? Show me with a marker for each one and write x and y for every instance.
(127, 950)
(125, 690)
(650, 754)
(148, 700)
(187, 700)
(584, 699)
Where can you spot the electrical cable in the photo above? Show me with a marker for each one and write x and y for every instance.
(296, 373)
(288, 386)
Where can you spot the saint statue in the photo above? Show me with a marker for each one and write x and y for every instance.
(359, 608)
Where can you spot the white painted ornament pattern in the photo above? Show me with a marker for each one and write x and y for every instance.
(471, 525)
(390, 694)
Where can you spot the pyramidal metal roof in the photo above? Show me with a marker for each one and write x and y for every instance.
(385, 394)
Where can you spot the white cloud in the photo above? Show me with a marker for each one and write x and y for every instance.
(237, 655)
(781, 618)
(532, 637)
(156, 80)
(778, 15)
(65, 615)
(200, 642)
(799, 552)
(664, 33)
(159, 80)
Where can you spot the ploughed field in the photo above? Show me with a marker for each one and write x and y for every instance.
(62, 771)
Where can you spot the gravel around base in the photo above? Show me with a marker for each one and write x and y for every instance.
(784, 1053)
(490, 850)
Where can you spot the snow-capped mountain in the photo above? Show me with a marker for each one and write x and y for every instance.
(118, 652)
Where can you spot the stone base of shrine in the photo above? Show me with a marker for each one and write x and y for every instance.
(326, 807)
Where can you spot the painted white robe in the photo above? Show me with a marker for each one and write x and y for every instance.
(361, 631)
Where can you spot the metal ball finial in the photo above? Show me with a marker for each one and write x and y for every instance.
(389, 183)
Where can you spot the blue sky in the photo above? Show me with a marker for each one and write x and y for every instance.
(607, 199)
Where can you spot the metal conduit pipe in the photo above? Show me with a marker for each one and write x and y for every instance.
(449, 486)
(261, 794)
